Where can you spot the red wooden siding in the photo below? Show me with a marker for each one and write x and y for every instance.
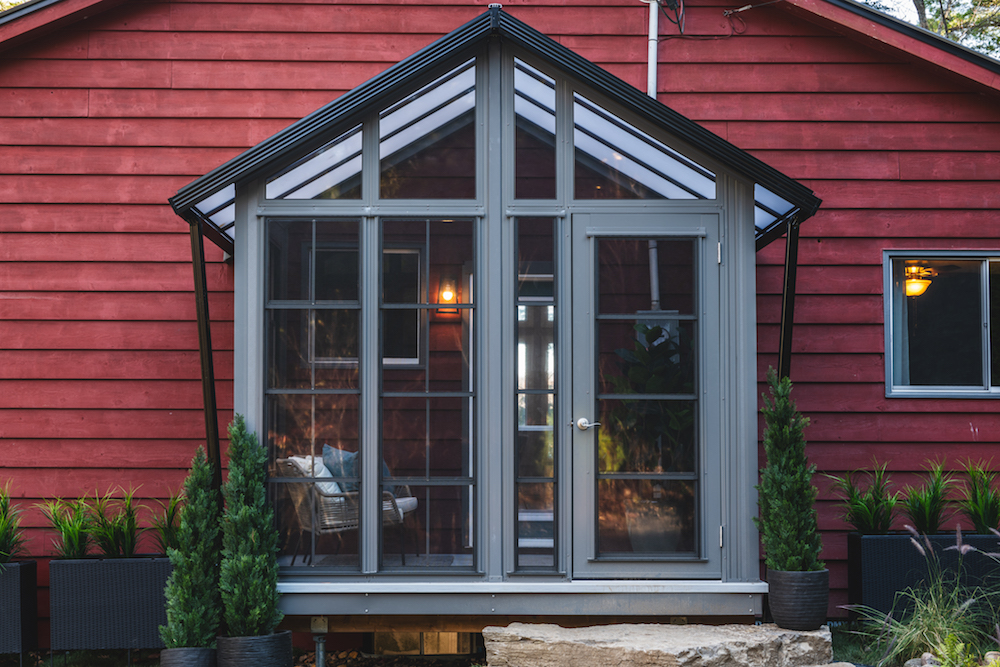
(103, 120)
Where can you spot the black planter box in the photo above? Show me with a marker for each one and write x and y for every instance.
(112, 603)
(18, 607)
(879, 566)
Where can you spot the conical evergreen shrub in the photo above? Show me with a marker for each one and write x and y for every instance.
(786, 494)
(249, 573)
(194, 605)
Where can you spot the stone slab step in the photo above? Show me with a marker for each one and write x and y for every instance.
(647, 645)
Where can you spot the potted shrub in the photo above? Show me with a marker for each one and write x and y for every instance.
(115, 600)
(18, 597)
(798, 582)
(192, 593)
(248, 574)
(882, 562)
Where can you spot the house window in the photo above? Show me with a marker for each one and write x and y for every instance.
(942, 313)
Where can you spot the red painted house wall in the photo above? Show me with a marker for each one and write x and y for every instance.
(103, 120)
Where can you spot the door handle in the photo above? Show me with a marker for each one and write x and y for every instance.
(584, 424)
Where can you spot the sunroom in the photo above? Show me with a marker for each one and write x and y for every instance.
(495, 323)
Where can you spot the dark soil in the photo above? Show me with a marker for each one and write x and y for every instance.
(357, 659)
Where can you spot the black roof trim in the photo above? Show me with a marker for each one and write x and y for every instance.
(23, 9)
(314, 127)
(918, 33)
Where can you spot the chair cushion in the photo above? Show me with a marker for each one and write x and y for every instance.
(407, 504)
(341, 463)
(310, 467)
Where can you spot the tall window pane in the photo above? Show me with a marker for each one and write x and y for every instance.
(427, 399)
(313, 385)
(536, 393)
(647, 453)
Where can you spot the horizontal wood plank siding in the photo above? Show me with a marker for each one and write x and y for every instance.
(104, 119)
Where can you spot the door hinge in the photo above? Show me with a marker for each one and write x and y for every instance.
(721, 531)
(720, 252)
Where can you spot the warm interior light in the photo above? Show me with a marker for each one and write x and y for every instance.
(447, 294)
(918, 279)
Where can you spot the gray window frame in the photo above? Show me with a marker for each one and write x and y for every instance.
(495, 209)
(892, 317)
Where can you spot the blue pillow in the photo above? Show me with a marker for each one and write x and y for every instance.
(342, 463)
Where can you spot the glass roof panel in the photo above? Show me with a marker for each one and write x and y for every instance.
(615, 160)
(220, 209)
(535, 133)
(427, 142)
(331, 172)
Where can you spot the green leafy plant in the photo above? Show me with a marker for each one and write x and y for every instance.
(115, 524)
(11, 535)
(192, 593)
(925, 616)
(981, 502)
(786, 494)
(952, 653)
(651, 435)
(165, 525)
(70, 519)
(249, 569)
(870, 510)
(925, 505)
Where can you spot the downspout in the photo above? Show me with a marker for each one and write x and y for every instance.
(205, 350)
(788, 298)
(652, 60)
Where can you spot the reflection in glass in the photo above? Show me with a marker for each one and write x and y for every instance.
(535, 133)
(438, 534)
(640, 275)
(331, 172)
(616, 160)
(426, 391)
(940, 337)
(646, 436)
(647, 403)
(646, 516)
(427, 142)
(535, 393)
(426, 437)
(536, 525)
(307, 538)
(652, 356)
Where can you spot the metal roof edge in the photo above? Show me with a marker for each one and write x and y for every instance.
(495, 21)
(34, 18)
(909, 30)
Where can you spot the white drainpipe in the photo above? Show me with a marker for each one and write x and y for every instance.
(654, 37)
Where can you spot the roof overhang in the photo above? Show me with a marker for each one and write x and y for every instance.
(201, 201)
(35, 18)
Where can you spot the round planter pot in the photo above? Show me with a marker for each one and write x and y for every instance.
(264, 651)
(798, 600)
(187, 657)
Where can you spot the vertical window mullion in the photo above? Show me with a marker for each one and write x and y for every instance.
(369, 354)
(985, 312)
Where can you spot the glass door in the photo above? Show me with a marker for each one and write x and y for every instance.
(645, 408)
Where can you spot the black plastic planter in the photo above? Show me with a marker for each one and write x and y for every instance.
(18, 607)
(798, 600)
(113, 603)
(879, 566)
(263, 651)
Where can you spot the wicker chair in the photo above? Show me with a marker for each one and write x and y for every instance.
(321, 512)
